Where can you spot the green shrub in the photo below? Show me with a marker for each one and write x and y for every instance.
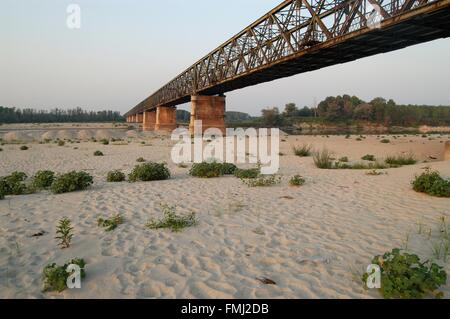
(172, 221)
(141, 160)
(1, 149)
(247, 173)
(71, 182)
(104, 141)
(110, 224)
(401, 160)
(64, 233)
(55, 277)
(370, 158)
(343, 159)
(98, 153)
(43, 179)
(228, 168)
(405, 276)
(24, 148)
(149, 172)
(385, 141)
(207, 170)
(432, 183)
(323, 159)
(303, 151)
(262, 181)
(297, 180)
(14, 184)
(115, 176)
(61, 143)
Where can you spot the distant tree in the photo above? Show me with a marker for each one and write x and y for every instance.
(272, 117)
(290, 110)
(363, 112)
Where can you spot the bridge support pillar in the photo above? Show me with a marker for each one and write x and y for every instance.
(166, 118)
(140, 118)
(210, 110)
(447, 152)
(149, 121)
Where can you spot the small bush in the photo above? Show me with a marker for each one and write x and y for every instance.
(71, 182)
(343, 159)
(14, 184)
(374, 173)
(24, 148)
(149, 172)
(141, 160)
(262, 181)
(1, 149)
(370, 158)
(432, 183)
(228, 168)
(303, 151)
(43, 179)
(98, 153)
(405, 276)
(401, 160)
(64, 233)
(110, 224)
(247, 173)
(115, 176)
(172, 221)
(104, 141)
(61, 143)
(55, 277)
(297, 180)
(323, 159)
(385, 141)
(209, 169)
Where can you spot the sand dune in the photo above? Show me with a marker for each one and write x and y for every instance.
(312, 241)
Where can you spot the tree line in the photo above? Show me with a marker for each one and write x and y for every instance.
(28, 115)
(348, 108)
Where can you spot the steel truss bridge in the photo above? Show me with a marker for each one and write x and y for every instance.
(304, 35)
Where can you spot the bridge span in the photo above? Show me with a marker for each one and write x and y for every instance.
(295, 37)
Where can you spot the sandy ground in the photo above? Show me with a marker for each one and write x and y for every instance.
(314, 241)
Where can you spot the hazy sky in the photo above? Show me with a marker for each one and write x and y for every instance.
(127, 49)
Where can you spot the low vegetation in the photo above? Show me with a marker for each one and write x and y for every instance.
(110, 224)
(55, 277)
(212, 169)
(43, 179)
(323, 159)
(368, 157)
(405, 276)
(14, 184)
(24, 148)
(71, 182)
(385, 141)
(64, 233)
(172, 221)
(262, 181)
(247, 173)
(149, 172)
(297, 180)
(141, 160)
(303, 151)
(432, 183)
(61, 143)
(98, 153)
(401, 160)
(115, 176)
(104, 141)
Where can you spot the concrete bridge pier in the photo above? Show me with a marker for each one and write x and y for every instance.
(210, 110)
(140, 118)
(166, 118)
(149, 121)
(447, 151)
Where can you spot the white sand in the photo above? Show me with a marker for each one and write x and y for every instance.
(312, 241)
